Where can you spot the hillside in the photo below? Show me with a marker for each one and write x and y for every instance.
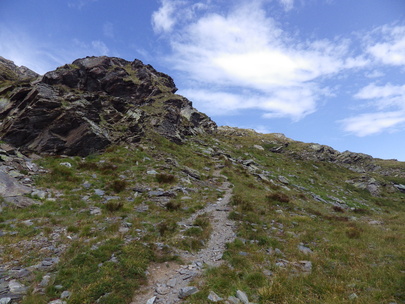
(116, 190)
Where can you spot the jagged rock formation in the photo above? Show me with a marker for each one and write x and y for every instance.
(85, 106)
(10, 72)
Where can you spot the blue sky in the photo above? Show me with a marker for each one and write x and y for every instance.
(324, 71)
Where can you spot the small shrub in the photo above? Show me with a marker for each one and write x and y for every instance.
(88, 166)
(303, 196)
(338, 209)
(164, 178)
(337, 218)
(278, 197)
(62, 173)
(353, 232)
(191, 244)
(245, 205)
(107, 168)
(256, 279)
(194, 231)
(173, 206)
(114, 205)
(73, 229)
(167, 227)
(361, 211)
(202, 220)
(118, 185)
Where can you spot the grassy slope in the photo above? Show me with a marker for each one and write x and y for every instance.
(350, 254)
(104, 262)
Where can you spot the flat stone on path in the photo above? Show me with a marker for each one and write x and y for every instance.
(151, 300)
(187, 291)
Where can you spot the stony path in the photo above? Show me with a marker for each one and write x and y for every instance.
(166, 280)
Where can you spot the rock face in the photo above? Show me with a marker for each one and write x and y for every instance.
(85, 106)
(10, 72)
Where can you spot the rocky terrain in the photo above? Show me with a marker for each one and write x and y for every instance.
(83, 107)
(114, 189)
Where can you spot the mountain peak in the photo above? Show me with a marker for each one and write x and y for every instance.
(83, 107)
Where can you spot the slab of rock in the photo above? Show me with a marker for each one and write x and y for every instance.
(10, 187)
(187, 291)
(304, 249)
(213, 297)
(151, 300)
(233, 300)
(17, 288)
(242, 296)
(400, 187)
(5, 300)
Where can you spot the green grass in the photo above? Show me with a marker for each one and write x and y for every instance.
(350, 255)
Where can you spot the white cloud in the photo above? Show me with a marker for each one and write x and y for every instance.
(373, 123)
(41, 56)
(248, 61)
(172, 12)
(288, 4)
(388, 100)
(163, 19)
(24, 50)
(251, 52)
(389, 48)
(374, 74)
(386, 92)
(99, 47)
(294, 103)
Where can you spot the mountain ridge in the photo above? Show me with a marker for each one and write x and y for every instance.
(117, 190)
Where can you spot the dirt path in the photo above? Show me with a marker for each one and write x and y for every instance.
(167, 279)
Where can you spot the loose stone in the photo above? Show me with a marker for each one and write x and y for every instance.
(187, 291)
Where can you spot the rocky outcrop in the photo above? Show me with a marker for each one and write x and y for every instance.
(10, 72)
(85, 106)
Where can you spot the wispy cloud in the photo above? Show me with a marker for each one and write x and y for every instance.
(387, 45)
(173, 12)
(252, 62)
(25, 50)
(79, 4)
(389, 104)
(250, 52)
(41, 56)
(288, 4)
(163, 19)
(99, 47)
(374, 123)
